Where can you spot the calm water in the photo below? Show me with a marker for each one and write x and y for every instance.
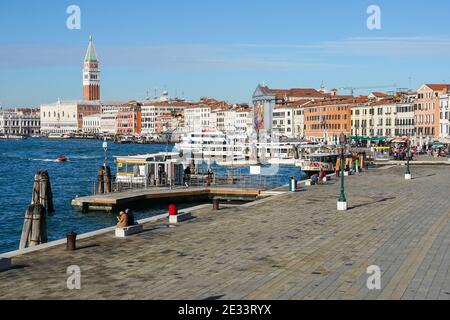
(20, 160)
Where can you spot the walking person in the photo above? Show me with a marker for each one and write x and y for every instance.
(209, 177)
(187, 176)
(337, 169)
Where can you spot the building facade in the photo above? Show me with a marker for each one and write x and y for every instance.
(373, 119)
(444, 118)
(66, 116)
(427, 109)
(152, 112)
(24, 122)
(197, 118)
(326, 120)
(91, 124)
(129, 119)
(283, 122)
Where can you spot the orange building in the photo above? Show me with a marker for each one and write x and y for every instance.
(427, 109)
(326, 120)
(129, 119)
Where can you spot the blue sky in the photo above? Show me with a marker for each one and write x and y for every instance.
(220, 49)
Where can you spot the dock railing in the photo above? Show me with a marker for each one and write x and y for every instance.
(231, 181)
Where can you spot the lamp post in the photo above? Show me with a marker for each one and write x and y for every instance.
(105, 149)
(408, 175)
(342, 202)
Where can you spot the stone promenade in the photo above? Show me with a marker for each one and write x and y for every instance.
(293, 246)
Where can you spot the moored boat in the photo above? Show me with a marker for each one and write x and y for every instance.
(58, 136)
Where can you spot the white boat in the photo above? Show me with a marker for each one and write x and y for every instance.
(12, 137)
(58, 136)
(313, 163)
(235, 149)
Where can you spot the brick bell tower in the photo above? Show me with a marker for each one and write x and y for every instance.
(91, 74)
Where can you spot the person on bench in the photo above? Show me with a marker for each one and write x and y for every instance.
(123, 220)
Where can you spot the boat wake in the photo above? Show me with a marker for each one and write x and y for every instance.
(47, 160)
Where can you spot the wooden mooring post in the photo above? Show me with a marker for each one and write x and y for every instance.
(34, 230)
(104, 180)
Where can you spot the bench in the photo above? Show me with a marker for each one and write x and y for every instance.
(5, 263)
(182, 216)
(128, 231)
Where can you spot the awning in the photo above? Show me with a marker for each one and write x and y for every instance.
(358, 138)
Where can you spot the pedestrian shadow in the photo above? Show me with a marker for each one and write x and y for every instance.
(371, 203)
(214, 298)
(426, 176)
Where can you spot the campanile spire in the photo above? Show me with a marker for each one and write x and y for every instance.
(91, 74)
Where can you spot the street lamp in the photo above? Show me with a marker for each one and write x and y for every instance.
(105, 149)
(408, 175)
(342, 202)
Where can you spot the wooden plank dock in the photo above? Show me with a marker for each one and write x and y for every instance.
(120, 200)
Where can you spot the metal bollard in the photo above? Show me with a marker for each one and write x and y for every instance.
(71, 241)
(293, 185)
(216, 204)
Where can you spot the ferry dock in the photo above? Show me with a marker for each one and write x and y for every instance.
(130, 199)
(288, 246)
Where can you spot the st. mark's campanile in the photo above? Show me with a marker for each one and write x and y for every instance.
(91, 74)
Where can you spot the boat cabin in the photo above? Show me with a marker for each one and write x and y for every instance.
(160, 169)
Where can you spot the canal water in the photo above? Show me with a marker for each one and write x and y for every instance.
(19, 162)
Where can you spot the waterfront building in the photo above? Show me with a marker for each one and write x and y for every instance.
(129, 119)
(265, 100)
(405, 118)
(169, 121)
(108, 116)
(298, 109)
(374, 119)
(22, 121)
(444, 131)
(229, 119)
(326, 120)
(91, 124)
(154, 111)
(66, 116)
(427, 109)
(91, 74)
(198, 117)
(283, 122)
(385, 117)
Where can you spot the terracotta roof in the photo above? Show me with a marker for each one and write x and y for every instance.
(167, 104)
(379, 94)
(336, 102)
(295, 92)
(439, 87)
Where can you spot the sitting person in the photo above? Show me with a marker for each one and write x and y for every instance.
(322, 175)
(123, 220)
(314, 179)
(130, 215)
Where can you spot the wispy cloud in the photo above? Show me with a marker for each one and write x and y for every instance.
(232, 56)
(388, 46)
(189, 56)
